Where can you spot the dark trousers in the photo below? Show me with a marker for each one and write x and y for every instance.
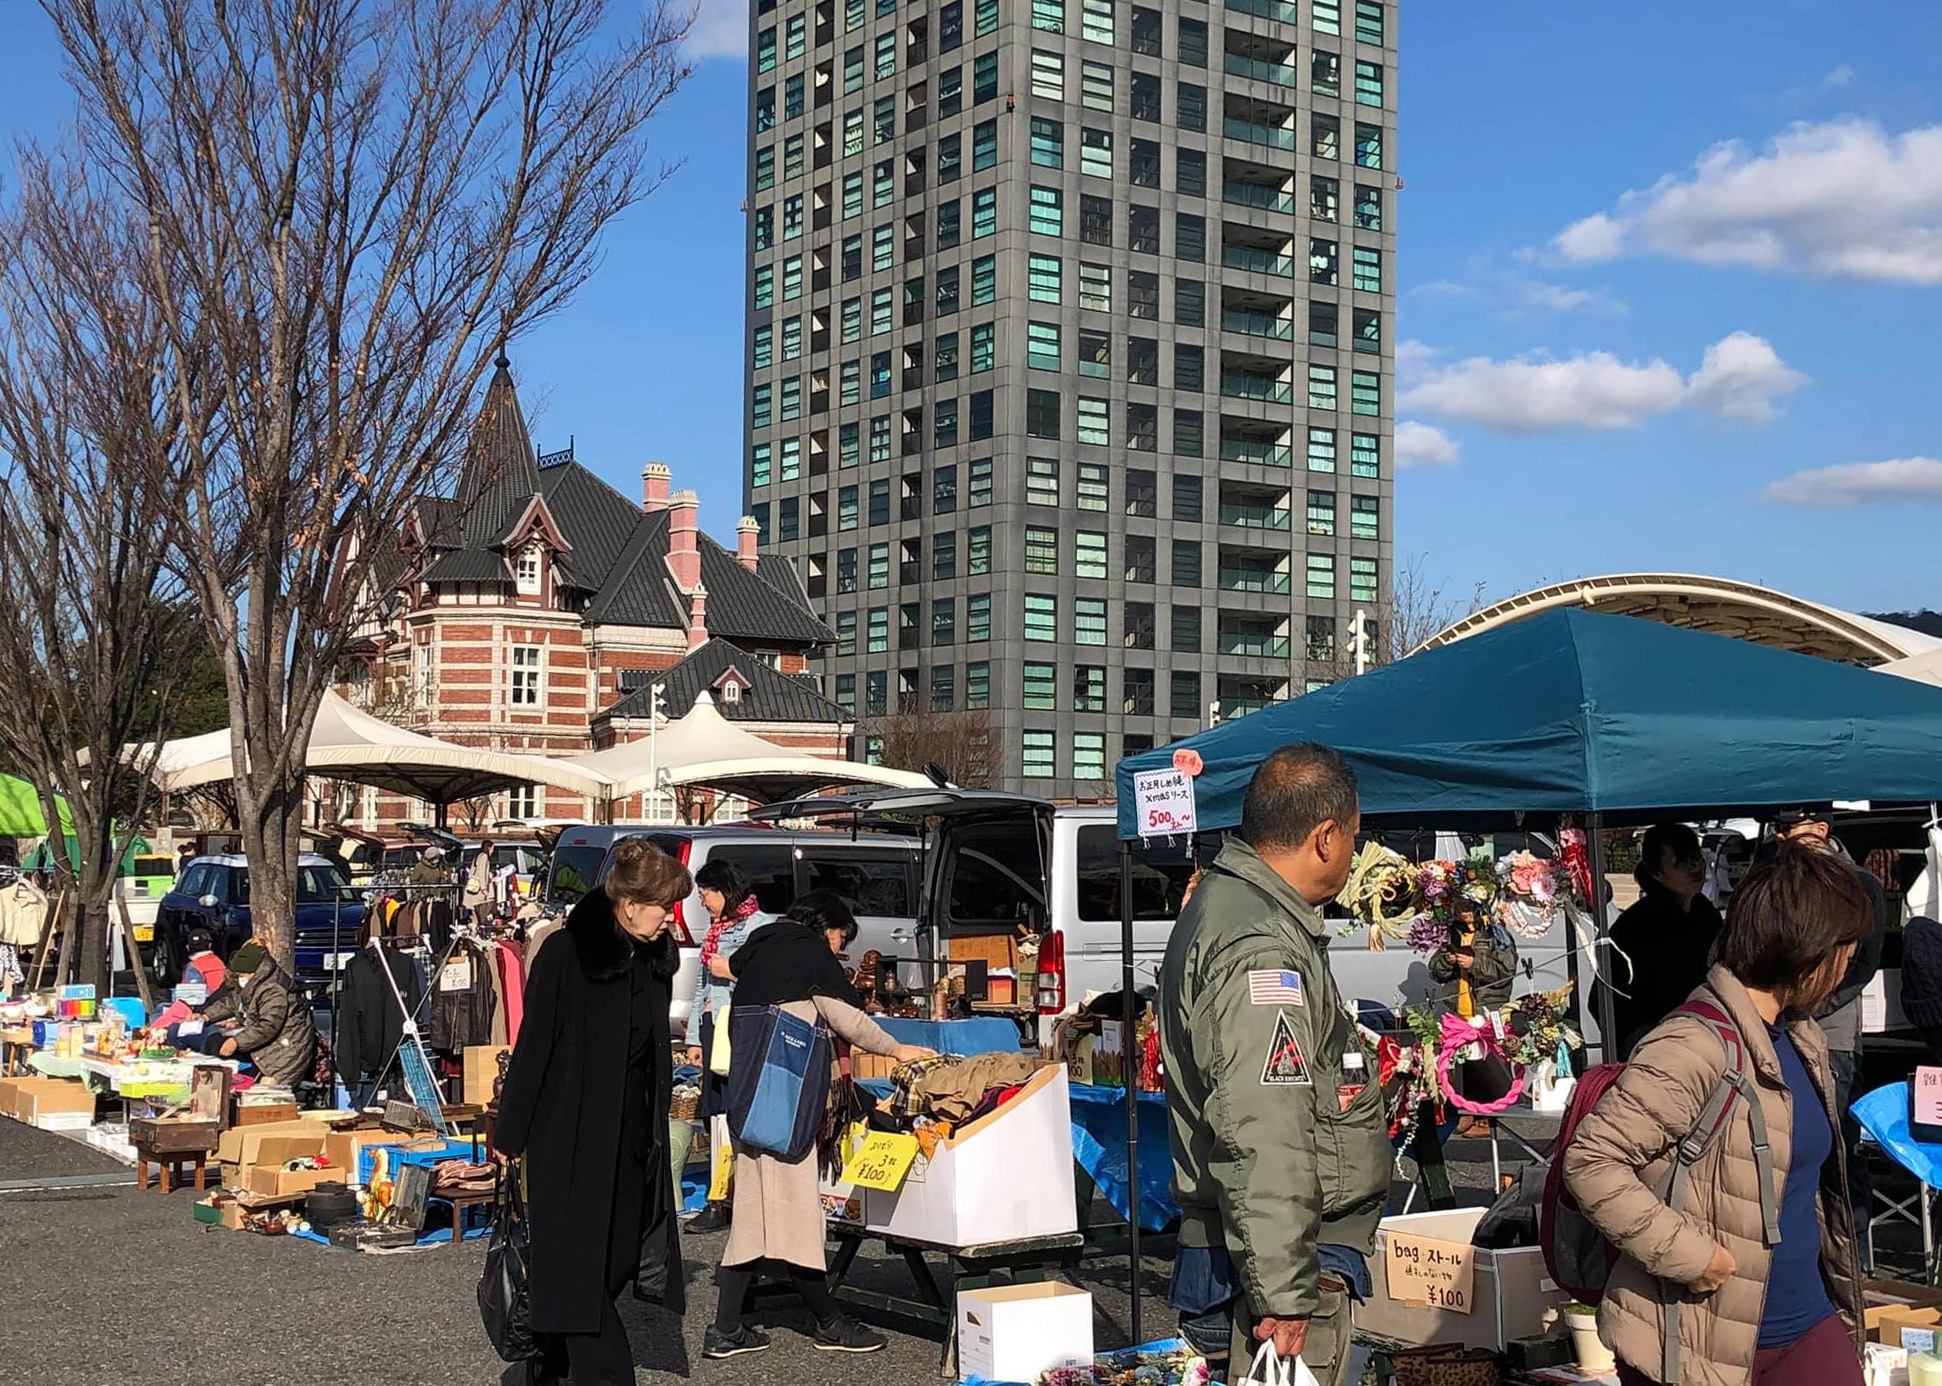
(1846, 1066)
(604, 1358)
(1823, 1356)
(812, 1286)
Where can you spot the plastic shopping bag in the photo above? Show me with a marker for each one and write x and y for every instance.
(1272, 1369)
(718, 1050)
(721, 1160)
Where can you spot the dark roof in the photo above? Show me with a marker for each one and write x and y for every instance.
(639, 590)
(742, 605)
(769, 695)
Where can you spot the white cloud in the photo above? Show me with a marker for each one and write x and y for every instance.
(1843, 199)
(1738, 379)
(1421, 445)
(1840, 76)
(1860, 483)
(720, 30)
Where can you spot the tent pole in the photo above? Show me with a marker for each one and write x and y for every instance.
(1129, 1051)
(1607, 1004)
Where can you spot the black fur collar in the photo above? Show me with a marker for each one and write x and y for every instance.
(604, 950)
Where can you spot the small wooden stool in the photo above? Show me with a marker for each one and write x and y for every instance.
(460, 1201)
(169, 1176)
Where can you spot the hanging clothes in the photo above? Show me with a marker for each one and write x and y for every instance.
(369, 1023)
(513, 969)
(462, 999)
(23, 913)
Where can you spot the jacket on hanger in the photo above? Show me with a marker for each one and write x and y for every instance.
(23, 913)
(369, 1023)
(462, 1000)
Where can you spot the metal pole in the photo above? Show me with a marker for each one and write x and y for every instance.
(1129, 1047)
(1607, 1003)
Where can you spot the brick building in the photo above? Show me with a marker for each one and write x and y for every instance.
(532, 610)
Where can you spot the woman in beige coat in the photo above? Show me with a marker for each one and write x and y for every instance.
(778, 1206)
(1752, 1308)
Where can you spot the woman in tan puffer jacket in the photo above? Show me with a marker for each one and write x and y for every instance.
(1753, 1309)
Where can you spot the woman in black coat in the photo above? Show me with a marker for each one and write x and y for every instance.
(585, 1104)
(1665, 940)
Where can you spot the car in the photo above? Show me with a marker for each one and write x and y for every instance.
(141, 889)
(214, 893)
(876, 873)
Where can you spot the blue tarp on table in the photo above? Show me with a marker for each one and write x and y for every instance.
(1575, 712)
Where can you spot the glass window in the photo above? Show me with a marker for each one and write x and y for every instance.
(1089, 621)
(1043, 276)
(950, 91)
(1096, 354)
(1368, 22)
(1189, 367)
(883, 248)
(1324, 323)
(1186, 563)
(984, 78)
(1096, 153)
(1368, 145)
(1048, 143)
(1095, 421)
(1047, 212)
(798, 36)
(1041, 616)
(1368, 208)
(1183, 698)
(1190, 107)
(792, 97)
(1365, 392)
(984, 280)
(1366, 271)
(1365, 455)
(1088, 688)
(944, 556)
(1190, 173)
(886, 55)
(947, 291)
(1048, 75)
(1041, 687)
(848, 509)
(765, 50)
(765, 109)
(1096, 21)
(852, 315)
(977, 618)
(850, 436)
(1096, 86)
(1096, 287)
(792, 277)
(1089, 754)
(883, 119)
(1041, 550)
(764, 286)
(1323, 261)
(880, 438)
(1189, 432)
(1321, 387)
(1321, 513)
(759, 416)
(1325, 73)
(1049, 15)
(792, 156)
(1089, 554)
(1368, 330)
(1321, 449)
(846, 632)
(1324, 197)
(791, 399)
(943, 687)
(1365, 517)
(764, 346)
(944, 423)
(765, 168)
(950, 26)
(853, 70)
(977, 685)
(984, 145)
(946, 360)
(1039, 756)
(1042, 346)
(981, 486)
(1362, 579)
(984, 214)
(879, 566)
(1325, 137)
(846, 690)
(944, 621)
(1189, 237)
(759, 464)
(1042, 481)
(1368, 84)
(1190, 302)
(1321, 575)
(1095, 487)
(984, 353)
(1326, 16)
(1185, 630)
(876, 640)
(978, 558)
(950, 158)
(985, 17)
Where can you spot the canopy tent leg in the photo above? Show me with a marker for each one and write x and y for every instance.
(1129, 1048)
(1607, 1003)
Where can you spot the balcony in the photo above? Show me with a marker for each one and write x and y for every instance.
(1253, 644)
(1256, 324)
(1261, 389)
(1257, 451)
(1253, 577)
(1240, 65)
(1256, 260)
(1282, 10)
(1268, 199)
(1251, 132)
(1255, 515)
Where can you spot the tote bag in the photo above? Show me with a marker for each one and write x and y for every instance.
(779, 1087)
(505, 1301)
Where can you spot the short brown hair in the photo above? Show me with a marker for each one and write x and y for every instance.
(1789, 916)
(638, 870)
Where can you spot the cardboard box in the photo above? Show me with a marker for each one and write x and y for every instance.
(871, 1065)
(1511, 1293)
(262, 1113)
(239, 1144)
(1017, 1332)
(481, 1072)
(1880, 1296)
(273, 1182)
(343, 1148)
(72, 1123)
(1889, 1324)
(1004, 1177)
(31, 1099)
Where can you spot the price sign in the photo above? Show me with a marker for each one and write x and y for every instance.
(1441, 1275)
(1925, 1103)
(880, 1162)
(1163, 802)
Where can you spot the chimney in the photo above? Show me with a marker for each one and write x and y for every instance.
(655, 479)
(746, 531)
(697, 618)
(684, 559)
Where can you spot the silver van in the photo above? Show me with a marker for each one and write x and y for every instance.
(876, 874)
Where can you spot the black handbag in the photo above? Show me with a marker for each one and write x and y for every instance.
(505, 1296)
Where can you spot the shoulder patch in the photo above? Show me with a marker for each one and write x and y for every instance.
(1275, 987)
(1284, 1065)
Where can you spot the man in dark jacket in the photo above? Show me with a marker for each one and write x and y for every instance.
(1280, 1155)
(273, 1027)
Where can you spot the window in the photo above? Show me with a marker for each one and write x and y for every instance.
(1042, 346)
(1095, 487)
(981, 485)
(765, 51)
(1187, 497)
(791, 399)
(1321, 575)
(1368, 208)
(1041, 616)
(944, 490)
(764, 227)
(1095, 220)
(886, 55)
(882, 304)
(846, 693)
(1190, 302)
(984, 280)
(1321, 387)
(1189, 432)
(1049, 15)
(1366, 272)
(1142, 494)
(1144, 99)
(947, 357)
(526, 672)
(846, 572)
(1089, 554)
(984, 145)
(1362, 579)
(1190, 173)
(1368, 22)
(1096, 21)
(1139, 625)
(1096, 86)
(1324, 198)
(1320, 638)
(792, 97)
(944, 423)
(1096, 354)
(1326, 16)
(765, 286)
(883, 120)
(880, 438)
(852, 320)
(1143, 164)
(1043, 276)
(853, 71)
(791, 338)
(1368, 145)
(1184, 630)
(758, 465)
(1141, 565)
(950, 27)
(758, 408)
(944, 621)
(1147, 26)
(1325, 137)
(1365, 392)
(1324, 324)
(1096, 153)
(943, 687)
(984, 78)
(1368, 330)
(876, 692)
(1190, 106)
(853, 183)
(944, 556)
(1089, 621)
(977, 618)
(765, 109)
(1368, 84)
(1042, 481)
(977, 685)
(985, 17)
(1365, 517)
(1325, 73)
(765, 168)
(947, 291)
(1041, 550)
(950, 91)
(1095, 421)
(1365, 455)
(848, 437)
(980, 551)
(947, 224)
(852, 258)
(527, 571)
(879, 576)
(1048, 143)
(1041, 687)
(848, 514)
(1088, 688)
(883, 248)
(1048, 75)
(981, 420)
(1047, 212)
(1321, 513)
(792, 155)
(1042, 413)
(1089, 753)
(1096, 287)
(790, 516)
(1186, 563)
(1189, 368)
(984, 352)
(1137, 692)
(877, 631)
(984, 214)
(1321, 449)
(1038, 756)
(1142, 294)
(798, 36)
(764, 346)
(1142, 420)
(792, 277)
(1323, 261)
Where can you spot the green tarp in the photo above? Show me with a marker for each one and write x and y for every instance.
(41, 858)
(1575, 712)
(20, 814)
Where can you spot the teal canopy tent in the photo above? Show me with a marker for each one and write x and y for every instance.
(20, 812)
(1573, 712)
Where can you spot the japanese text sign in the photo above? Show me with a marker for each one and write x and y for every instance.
(881, 1161)
(1163, 802)
(1441, 1275)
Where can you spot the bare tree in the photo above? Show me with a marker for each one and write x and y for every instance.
(89, 450)
(355, 203)
(1418, 609)
(958, 743)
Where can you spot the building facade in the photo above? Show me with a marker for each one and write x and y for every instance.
(1070, 355)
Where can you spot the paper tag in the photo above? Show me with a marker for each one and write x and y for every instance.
(881, 1161)
(1423, 1271)
(456, 975)
(1918, 1340)
(1927, 1096)
(1163, 802)
(188, 1029)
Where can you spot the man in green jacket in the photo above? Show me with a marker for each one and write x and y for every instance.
(1280, 1154)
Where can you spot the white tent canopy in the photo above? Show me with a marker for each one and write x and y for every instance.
(705, 749)
(346, 744)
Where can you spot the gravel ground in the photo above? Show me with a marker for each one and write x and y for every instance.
(28, 1153)
(111, 1285)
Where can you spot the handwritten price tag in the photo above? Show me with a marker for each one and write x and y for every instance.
(881, 1161)
(1441, 1275)
(1163, 802)
(1926, 1097)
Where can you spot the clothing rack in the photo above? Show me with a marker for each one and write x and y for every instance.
(374, 895)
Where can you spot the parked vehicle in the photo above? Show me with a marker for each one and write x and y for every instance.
(214, 893)
(876, 873)
(141, 889)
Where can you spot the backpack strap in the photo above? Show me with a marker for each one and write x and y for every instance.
(1712, 1121)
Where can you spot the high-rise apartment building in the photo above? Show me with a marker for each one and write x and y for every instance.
(1070, 355)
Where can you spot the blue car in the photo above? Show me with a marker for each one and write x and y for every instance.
(213, 893)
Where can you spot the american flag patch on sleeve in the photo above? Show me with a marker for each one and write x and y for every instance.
(1274, 988)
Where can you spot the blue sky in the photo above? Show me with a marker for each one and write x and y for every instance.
(1670, 277)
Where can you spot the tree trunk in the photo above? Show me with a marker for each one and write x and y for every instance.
(95, 955)
(270, 819)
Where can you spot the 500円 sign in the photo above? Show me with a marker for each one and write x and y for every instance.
(1423, 1271)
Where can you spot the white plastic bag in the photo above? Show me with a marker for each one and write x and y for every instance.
(1272, 1369)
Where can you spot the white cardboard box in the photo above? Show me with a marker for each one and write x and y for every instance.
(1005, 1177)
(1016, 1332)
(1511, 1297)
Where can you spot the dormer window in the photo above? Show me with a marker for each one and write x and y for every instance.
(526, 571)
(731, 692)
